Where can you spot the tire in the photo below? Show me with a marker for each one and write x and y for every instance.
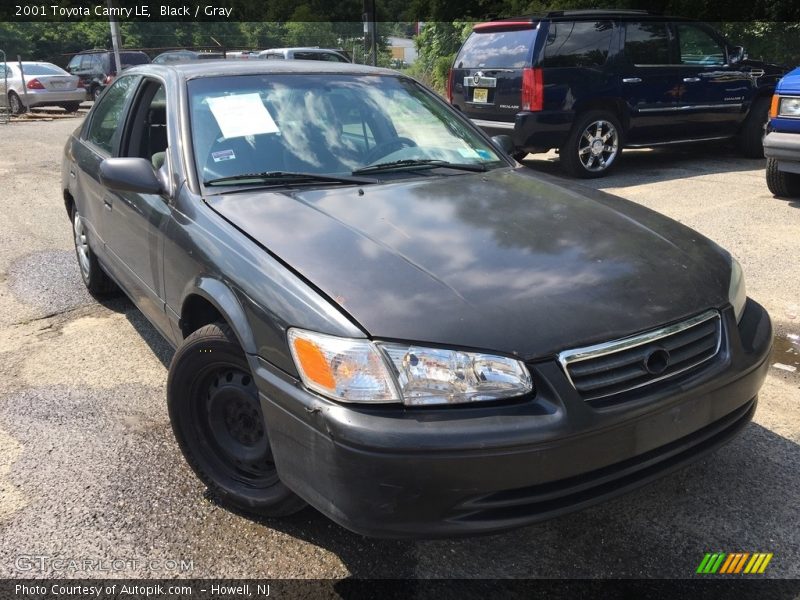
(96, 91)
(217, 420)
(751, 135)
(71, 107)
(15, 105)
(96, 280)
(593, 146)
(781, 183)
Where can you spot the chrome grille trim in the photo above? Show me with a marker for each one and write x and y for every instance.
(568, 357)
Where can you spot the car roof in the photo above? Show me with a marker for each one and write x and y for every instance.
(585, 14)
(221, 68)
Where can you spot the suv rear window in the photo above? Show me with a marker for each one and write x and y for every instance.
(497, 49)
(577, 44)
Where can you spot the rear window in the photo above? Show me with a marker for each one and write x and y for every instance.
(577, 44)
(42, 70)
(497, 49)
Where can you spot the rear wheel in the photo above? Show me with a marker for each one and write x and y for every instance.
(95, 279)
(71, 107)
(593, 146)
(781, 183)
(96, 91)
(217, 419)
(751, 136)
(15, 104)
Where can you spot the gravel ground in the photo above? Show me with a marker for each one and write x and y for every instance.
(89, 467)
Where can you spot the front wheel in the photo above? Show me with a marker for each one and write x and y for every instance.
(217, 420)
(593, 146)
(751, 136)
(781, 183)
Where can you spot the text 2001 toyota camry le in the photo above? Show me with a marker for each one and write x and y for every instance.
(376, 312)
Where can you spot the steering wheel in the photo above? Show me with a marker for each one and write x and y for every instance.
(388, 147)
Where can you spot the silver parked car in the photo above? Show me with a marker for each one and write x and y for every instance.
(45, 85)
(303, 54)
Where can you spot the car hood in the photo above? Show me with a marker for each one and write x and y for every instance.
(501, 261)
(790, 84)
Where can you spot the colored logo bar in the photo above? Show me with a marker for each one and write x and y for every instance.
(735, 562)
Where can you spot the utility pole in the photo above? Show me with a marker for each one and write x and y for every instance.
(371, 30)
(116, 39)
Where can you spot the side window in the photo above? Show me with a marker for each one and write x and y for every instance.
(697, 47)
(274, 56)
(577, 44)
(73, 64)
(147, 128)
(107, 116)
(647, 43)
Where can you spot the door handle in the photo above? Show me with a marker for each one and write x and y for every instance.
(631, 80)
(72, 174)
(107, 203)
(691, 79)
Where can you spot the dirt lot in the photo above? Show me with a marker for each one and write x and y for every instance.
(89, 467)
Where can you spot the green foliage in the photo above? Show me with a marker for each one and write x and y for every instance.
(437, 45)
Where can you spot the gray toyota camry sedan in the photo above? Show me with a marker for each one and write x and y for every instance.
(378, 313)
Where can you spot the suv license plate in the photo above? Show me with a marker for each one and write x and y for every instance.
(480, 95)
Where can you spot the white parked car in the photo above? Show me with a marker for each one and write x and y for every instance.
(45, 85)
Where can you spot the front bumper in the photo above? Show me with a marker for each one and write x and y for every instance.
(393, 472)
(785, 148)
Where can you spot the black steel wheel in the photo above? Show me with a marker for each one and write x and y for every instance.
(216, 415)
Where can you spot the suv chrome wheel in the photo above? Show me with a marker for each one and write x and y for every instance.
(598, 146)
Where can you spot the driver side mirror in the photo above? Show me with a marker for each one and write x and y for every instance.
(736, 54)
(504, 143)
(130, 175)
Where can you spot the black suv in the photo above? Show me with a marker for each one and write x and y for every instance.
(97, 68)
(592, 82)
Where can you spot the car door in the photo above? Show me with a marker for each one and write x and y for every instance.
(714, 91)
(134, 222)
(652, 84)
(99, 140)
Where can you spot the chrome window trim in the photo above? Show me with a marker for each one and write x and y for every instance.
(568, 357)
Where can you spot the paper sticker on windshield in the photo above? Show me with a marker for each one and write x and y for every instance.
(239, 115)
(223, 155)
(467, 152)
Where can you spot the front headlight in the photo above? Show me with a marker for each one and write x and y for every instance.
(737, 295)
(789, 107)
(351, 370)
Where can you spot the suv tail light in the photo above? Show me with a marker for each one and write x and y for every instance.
(34, 84)
(108, 79)
(532, 89)
(450, 86)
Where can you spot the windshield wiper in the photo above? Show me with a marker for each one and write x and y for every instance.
(411, 163)
(279, 177)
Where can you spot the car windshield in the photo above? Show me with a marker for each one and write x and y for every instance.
(333, 124)
(40, 69)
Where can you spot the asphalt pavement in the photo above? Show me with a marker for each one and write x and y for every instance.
(89, 469)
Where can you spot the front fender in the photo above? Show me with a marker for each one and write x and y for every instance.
(219, 295)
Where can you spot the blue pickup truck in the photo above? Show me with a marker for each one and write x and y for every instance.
(782, 143)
